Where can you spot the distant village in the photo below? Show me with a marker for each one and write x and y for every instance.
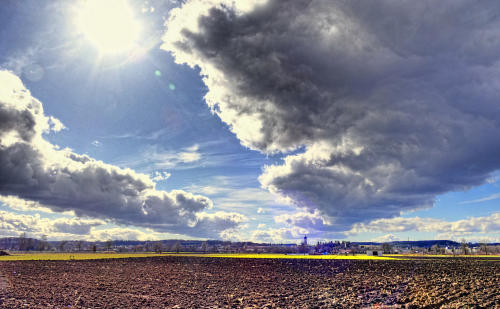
(338, 247)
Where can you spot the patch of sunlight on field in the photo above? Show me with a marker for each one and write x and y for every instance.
(72, 256)
(286, 256)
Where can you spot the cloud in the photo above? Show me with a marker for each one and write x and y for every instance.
(484, 199)
(19, 204)
(232, 192)
(226, 222)
(304, 219)
(122, 233)
(387, 104)
(385, 238)
(487, 224)
(157, 158)
(12, 224)
(278, 235)
(32, 169)
(55, 124)
(160, 176)
(314, 224)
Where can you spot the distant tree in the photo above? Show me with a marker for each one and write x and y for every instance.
(79, 245)
(435, 248)
(158, 247)
(303, 248)
(387, 248)
(62, 244)
(22, 242)
(94, 248)
(109, 244)
(177, 247)
(30, 244)
(484, 248)
(464, 246)
(42, 244)
(204, 247)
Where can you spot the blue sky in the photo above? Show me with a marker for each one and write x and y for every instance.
(254, 121)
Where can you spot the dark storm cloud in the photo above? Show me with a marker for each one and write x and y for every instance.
(394, 102)
(33, 169)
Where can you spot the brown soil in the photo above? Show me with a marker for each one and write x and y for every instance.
(188, 282)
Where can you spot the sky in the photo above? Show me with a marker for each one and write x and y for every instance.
(262, 120)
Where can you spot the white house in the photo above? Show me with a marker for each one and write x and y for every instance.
(374, 252)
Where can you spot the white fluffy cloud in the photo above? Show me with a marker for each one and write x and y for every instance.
(487, 224)
(279, 235)
(392, 102)
(160, 176)
(385, 238)
(32, 169)
(12, 224)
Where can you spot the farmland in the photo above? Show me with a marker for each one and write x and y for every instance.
(207, 282)
(104, 255)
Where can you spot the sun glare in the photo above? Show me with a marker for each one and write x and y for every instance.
(109, 25)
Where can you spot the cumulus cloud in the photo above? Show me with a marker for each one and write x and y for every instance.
(304, 219)
(160, 176)
(13, 202)
(11, 224)
(314, 224)
(278, 235)
(486, 224)
(385, 238)
(387, 104)
(32, 169)
(122, 233)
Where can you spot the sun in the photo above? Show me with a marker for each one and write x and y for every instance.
(109, 24)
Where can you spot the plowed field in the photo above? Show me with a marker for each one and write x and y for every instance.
(197, 282)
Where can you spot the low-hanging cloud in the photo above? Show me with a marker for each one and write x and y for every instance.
(13, 224)
(392, 102)
(33, 169)
(486, 224)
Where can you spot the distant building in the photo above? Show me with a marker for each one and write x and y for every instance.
(374, 252)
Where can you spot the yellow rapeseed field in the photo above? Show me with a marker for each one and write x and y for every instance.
(289, 256)
(443, 255)
(98, 255)
(71, 256)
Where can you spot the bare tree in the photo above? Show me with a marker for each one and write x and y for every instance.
(484, 248)
(177, 247)
(435, 249)
(387, 248)
(22, 243)
(204, 247)
(79, 245)
(464, 246)
(109, 244)
(158, 247)
(62, 244)
(42, 244)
